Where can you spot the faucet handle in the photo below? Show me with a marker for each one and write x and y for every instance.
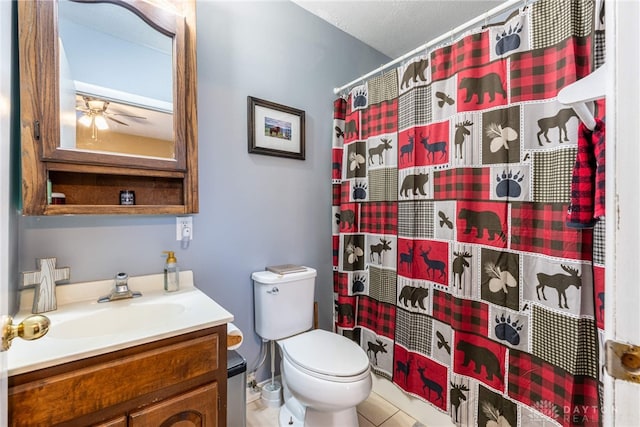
(122, 276)
(121, 282)
(121, 290)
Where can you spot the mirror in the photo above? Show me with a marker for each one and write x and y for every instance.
(67, 96)
(116, 82)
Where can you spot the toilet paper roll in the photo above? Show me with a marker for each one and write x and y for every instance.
(234, 337)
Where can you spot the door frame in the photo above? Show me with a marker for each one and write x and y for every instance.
(5, 183)
(622, 292)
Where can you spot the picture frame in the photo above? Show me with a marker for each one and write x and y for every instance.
(275, 129)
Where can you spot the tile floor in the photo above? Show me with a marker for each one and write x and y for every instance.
(373, 412)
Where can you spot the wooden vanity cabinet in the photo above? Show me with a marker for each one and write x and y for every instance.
(175, 381)
(117, 422)
(192, 408)
(92, 179)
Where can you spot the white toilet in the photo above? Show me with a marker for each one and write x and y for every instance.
(324, 375)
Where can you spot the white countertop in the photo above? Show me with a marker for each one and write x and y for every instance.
(156, 315)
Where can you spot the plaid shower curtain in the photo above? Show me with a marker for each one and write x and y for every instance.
(454, 266)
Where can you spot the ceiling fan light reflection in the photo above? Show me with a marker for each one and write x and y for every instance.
(96, 104)
(101, 122)
(85, 120)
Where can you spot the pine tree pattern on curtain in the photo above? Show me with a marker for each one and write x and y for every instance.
(454, 268)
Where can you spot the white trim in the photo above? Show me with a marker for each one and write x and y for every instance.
(622, 294)
(122, 97)
(5, 185)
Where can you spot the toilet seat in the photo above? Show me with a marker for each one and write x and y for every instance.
(326, 355)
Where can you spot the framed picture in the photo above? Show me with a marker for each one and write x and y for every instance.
(274, 129)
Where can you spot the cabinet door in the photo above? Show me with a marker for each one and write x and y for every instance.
(198, 407)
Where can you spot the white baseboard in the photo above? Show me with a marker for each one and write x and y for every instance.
(252, 395)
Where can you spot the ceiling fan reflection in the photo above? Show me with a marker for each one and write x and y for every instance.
(96, 115)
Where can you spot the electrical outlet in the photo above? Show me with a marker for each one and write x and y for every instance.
(184, 228)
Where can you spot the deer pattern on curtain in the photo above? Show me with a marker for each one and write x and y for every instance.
(454, 268)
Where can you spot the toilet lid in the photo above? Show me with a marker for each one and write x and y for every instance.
(326, 353)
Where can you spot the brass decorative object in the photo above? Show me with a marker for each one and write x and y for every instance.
(623, 361)
(31, 328)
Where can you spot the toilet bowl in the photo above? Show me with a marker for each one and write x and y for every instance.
(327, 375)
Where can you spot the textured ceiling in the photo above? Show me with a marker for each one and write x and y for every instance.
(395, 27)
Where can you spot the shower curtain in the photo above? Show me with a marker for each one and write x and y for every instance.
(454, 266)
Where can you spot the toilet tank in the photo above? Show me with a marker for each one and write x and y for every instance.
(283, 303)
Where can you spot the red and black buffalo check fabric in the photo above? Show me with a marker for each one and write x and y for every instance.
(380, 119)
(569, 400)
(377, 316)
(541, 228)
(462, 184)
(472, 51)
(462, 314)
(454, 263)
(540, 74)
(379, 218)
(588, 181)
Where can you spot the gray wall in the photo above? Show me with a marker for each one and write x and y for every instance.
(254, 210)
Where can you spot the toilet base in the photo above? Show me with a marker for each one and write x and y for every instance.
(344, 418)
(287, 419)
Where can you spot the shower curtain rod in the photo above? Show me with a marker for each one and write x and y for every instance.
(485, 17)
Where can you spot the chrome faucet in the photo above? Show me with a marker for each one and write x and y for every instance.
(121, 290)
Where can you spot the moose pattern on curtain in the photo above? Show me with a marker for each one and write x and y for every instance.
(454, 267)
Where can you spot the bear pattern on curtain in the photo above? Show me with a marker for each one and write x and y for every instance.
(454, 267)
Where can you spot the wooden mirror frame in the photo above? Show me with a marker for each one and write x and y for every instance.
(40, 110)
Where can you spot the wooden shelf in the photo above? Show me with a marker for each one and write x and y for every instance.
(104, 189)
(115, 210)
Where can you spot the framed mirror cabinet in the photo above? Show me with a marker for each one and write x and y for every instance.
(108, 107)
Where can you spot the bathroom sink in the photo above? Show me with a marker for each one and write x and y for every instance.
(115, 319)
(81, 327)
